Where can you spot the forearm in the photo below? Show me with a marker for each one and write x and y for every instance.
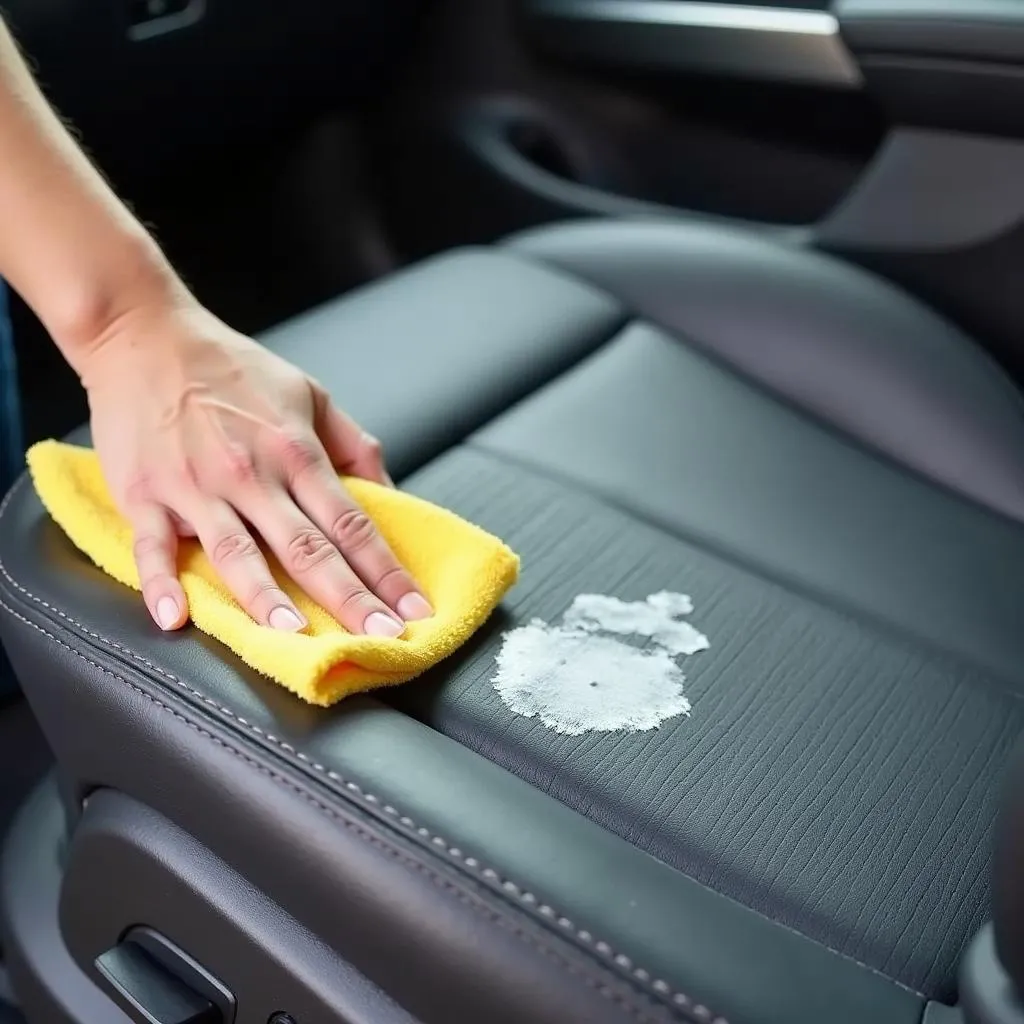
(68, 246)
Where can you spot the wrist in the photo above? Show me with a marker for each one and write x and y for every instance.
(165, 339)
(131, 281)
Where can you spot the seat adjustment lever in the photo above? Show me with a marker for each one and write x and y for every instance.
(154, 982)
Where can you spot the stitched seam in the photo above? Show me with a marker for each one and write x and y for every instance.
(637, 1013)
(607, 953)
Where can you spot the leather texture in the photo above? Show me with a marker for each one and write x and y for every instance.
(838, 342)
(833, 757)
(1008, 849)
(248, 770)
(810, 844)
(656, 427)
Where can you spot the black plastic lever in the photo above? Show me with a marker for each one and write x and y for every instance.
(156, 983)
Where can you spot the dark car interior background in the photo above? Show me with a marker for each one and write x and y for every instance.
(740, 288)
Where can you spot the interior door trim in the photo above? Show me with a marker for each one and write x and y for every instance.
(759, 42)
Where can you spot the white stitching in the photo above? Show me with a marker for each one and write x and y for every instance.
(636, 1012)
(662, 988)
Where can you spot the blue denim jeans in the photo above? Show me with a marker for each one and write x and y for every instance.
(12, 452)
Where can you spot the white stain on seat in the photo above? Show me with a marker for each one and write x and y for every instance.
(576, 679)
(655, 618)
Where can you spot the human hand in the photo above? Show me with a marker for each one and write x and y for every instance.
(202, 432)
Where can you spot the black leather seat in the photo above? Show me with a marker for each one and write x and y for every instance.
(834, 473)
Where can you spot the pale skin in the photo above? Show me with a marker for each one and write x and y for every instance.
(200, 431)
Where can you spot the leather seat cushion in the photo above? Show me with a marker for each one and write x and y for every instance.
(822, 814)
(839, 771)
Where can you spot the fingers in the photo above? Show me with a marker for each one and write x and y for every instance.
(242, 567)
(351, 450)
(316, 564)
(330, 507)
(156, 553)
(316, 530)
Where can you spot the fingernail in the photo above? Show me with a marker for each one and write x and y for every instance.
(285, 619)
(379, 624)
(167, 613)
(414, 606)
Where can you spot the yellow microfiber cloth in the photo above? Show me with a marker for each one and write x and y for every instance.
(463, 571)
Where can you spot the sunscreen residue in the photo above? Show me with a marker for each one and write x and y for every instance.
(577, 677)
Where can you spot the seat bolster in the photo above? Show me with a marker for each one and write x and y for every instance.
(424, 357)
(836, 341)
